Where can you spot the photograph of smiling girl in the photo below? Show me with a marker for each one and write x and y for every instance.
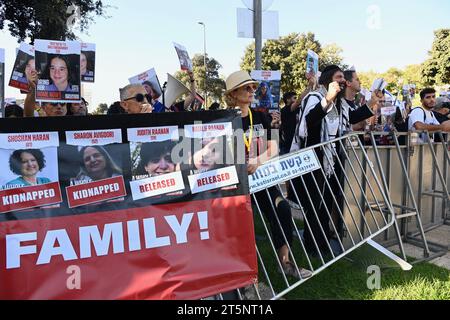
(58, 66)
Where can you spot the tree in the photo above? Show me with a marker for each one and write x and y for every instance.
(367, 78)
(394, 78)
(332, 54)
(436, 70)
(101, 109)
(288, 54)
(215, 84)
(48, 19)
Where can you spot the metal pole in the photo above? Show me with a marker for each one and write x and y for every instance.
(2, 89)
(205, 64)
(257, 29)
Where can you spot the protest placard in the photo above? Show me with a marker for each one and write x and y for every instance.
(58, 66)
(312, 62)
(23, 66)
(267, 96)
(150, 81)
(87, 62)
(183, 56)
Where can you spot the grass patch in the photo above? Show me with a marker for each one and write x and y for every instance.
(347, 278)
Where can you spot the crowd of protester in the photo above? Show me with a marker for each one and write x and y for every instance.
(330, 107)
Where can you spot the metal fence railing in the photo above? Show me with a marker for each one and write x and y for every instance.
(312, 208)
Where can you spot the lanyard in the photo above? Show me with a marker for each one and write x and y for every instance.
(248, 143)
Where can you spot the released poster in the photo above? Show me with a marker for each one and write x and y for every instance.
(23, 66)
(58, 63)
(210, 160)
(312, 62)
(150, 81)
(87, 62)
(155, 171)
(130, 209)
(183, 55)
(30, 178)
(267, 96)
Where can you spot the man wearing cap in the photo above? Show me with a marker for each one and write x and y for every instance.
(323, 119)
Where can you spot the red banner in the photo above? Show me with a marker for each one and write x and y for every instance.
(172, 251)
(94, 192)
(30, 197)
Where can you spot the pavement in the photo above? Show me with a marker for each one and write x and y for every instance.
(439, 235)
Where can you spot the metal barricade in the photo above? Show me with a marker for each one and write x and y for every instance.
(335, 214)
(400, 162)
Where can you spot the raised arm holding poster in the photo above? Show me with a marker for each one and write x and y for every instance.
(154, 242)
(58, 66)
(267, 96)
(87, 62)
(23, 66)
(183, 55)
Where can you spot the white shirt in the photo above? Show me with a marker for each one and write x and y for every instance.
(417, 115)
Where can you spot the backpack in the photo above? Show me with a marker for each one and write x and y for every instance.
(299, 142)
(404, 126)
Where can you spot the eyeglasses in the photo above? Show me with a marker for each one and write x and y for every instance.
(140, 98)
(249, 88)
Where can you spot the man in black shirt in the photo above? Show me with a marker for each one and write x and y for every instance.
(289, 118)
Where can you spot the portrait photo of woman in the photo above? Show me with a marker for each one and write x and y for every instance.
(27, 163)
(95, 164)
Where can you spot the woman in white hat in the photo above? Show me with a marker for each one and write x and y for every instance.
(259, 148)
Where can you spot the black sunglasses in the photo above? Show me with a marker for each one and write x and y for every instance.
(140, 98)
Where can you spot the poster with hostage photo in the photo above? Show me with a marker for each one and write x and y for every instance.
(29, 178)
(267, 95)
(211, 159)
(87, 62)
(98, 164)
(23, 66)
(154, 171)
(58, 66)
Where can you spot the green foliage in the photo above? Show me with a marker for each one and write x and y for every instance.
(215, 84)
(288, 54)
(47, 19)
(436, 69)
(101, 109)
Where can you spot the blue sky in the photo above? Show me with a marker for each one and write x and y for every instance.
(140, 33)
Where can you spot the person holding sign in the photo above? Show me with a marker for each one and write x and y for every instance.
(49, 109)
(27, 164)
(95, 164)
(259, 148)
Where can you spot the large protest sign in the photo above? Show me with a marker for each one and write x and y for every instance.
(146, 229)
(58, 66)
(183, 56)
(87, 62)
(23, 66)
(2, 81)
(267, 96)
